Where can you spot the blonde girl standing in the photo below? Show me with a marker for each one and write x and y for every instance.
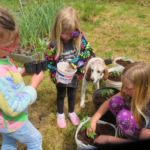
(67, 43)
(131, 106)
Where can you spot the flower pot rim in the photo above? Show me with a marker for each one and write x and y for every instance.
(128, 59)
(101, 89)
(118, 58)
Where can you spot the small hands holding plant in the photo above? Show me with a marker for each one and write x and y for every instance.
(36, 78)
(87, 125)
(102, 139)
(91, 128)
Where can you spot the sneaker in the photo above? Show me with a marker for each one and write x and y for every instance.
(74, 118)
(61, 122)
(120, 134)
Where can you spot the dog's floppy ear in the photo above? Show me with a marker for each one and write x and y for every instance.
(88, 74)
(106, 73)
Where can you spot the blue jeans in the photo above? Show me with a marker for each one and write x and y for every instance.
(28, 135)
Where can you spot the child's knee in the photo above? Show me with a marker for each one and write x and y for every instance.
(116, 104)
(123, 116)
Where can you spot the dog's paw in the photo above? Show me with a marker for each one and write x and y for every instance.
(82, 105)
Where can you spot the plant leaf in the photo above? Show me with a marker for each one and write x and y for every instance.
(108, 92)
(83, 128)
(89, 126)
(85, 118)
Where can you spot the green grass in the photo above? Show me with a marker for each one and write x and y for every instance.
(121, 25)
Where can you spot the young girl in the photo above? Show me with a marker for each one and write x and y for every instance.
(131, 106)
(14, 95)
(68, 43)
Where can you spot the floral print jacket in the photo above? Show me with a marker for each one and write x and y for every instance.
(86, 53)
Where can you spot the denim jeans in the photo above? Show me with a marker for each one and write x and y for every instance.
(28, 135)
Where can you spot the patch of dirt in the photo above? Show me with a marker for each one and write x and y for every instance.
(99, 99)
(115, 77)
(123, 63)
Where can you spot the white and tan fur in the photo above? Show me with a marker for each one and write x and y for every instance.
(95, 71)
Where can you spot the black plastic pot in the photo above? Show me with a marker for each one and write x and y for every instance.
(30, 67)
(33, 67)
(44, 65)
(39, 67)
(108, 116)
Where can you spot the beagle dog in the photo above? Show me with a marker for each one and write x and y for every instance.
(95, 71)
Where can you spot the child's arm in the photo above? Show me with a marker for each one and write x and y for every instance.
(23, 72)
(50, 56)
(85, 55)
(144, 134)
(15, 96)
(99, 113)
(107, 139)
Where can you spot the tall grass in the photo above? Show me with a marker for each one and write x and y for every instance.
(37, 19)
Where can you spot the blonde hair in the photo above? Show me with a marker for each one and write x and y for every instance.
(8, 27)
(138, 74)
(66, 19)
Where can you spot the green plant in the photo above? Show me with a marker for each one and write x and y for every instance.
(115, 73)
(39, 46)
(108, 54)
(108, 91)
(87, 125)
(38, 19)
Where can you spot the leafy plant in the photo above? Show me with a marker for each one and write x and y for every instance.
(87, 125)
(115, 73)
(38, 18)
(108, 54)
(108, 91)
(39, 45)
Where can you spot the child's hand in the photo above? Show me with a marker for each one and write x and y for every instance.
(70, 66)
(88, 130)
(102, 139)
(23, 72)
(36, 80)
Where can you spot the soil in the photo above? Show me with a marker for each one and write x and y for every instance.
(123, 63)
(101, 129)
(99, 99)
(115, 77)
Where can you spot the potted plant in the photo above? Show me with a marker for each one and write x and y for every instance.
(122, 61)
(86, 142)
(109, 55)
(114, 77)
(39, 64)
(99, 97)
